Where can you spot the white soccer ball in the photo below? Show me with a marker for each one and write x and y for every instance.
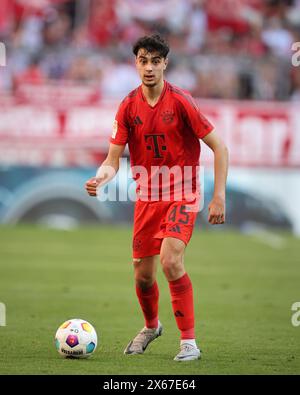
(76, 338)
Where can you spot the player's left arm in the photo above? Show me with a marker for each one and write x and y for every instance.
(216, 207)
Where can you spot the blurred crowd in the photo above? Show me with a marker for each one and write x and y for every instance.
(228, 49)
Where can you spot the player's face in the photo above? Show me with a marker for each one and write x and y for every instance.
(151, 67)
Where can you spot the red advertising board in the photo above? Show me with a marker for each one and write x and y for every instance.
(71, 126)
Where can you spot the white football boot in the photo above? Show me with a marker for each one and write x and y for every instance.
(139, 344)
(188, 352)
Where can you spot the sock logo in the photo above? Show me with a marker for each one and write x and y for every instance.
(178, 313)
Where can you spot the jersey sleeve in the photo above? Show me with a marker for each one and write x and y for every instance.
(120, 126)
(196, 120)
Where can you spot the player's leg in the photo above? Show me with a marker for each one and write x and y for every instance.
(147, 289)
(148, 296)
(181, 290)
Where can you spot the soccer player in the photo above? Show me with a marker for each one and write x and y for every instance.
(162, 125)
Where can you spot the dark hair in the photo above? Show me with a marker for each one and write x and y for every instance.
(153, 43)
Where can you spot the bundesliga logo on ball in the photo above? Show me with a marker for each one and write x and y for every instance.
(76, 338)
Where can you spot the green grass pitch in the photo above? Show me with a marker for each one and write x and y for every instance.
(243, 288)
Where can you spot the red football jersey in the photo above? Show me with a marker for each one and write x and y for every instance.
(163, 142)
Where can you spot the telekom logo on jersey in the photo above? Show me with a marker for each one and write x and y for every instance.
(161, 183)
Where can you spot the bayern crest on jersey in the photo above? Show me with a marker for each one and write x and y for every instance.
(168, 116)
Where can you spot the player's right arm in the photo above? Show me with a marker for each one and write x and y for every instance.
(107, 170)
(118, 141)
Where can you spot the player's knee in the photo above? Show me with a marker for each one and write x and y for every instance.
(171, 264)
(144, 282)
(143, 279)
(144, 272)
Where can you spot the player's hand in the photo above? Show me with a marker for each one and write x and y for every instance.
(92, 184)
(216, 211)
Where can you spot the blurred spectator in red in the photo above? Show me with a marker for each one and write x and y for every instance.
(33, 75)
(103, 22)
(233, 14)
(219, 48)
(252, 43)
(6, 17)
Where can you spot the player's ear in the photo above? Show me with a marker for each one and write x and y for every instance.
(166, 60)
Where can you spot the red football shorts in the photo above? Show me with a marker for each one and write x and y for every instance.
(153, 221)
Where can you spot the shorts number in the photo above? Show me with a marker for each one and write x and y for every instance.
(182, 217)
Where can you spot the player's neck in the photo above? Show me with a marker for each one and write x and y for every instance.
(152, 93)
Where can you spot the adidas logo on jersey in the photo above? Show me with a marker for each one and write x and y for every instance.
(137, 121)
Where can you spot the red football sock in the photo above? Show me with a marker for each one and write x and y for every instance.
(148, 299)
(183, 306)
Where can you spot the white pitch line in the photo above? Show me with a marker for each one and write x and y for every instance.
(265, 236)
(272, 240)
